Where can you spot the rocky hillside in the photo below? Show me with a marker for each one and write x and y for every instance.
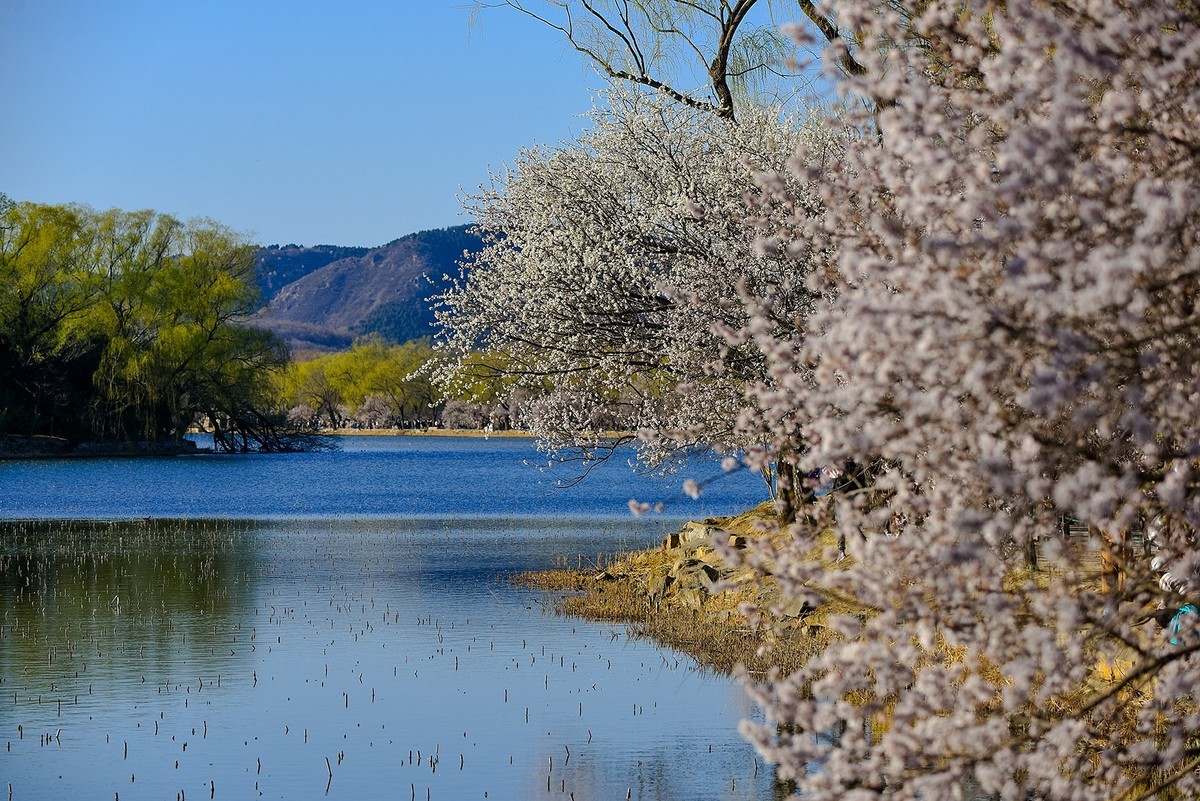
(337, 294)
(280, 265)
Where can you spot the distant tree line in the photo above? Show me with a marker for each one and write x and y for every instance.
(371, 385)
(377, 384)
(133, 327)
(123, 326)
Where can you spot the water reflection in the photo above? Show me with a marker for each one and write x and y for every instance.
(359, 659)
(116, 602)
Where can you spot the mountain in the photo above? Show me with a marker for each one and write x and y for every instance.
(335, 297)
(280, 265)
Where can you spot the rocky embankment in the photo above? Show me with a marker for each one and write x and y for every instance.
(690, 594)
(13, 447)
(16, 447)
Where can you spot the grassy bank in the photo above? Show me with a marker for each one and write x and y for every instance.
(686, 595)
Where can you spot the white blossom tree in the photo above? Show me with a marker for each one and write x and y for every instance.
(1011, 246)
(608, 263)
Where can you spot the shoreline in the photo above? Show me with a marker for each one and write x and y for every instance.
(19, 448)
(15, 447)
(476, 433)
(684, 595)
(473, 433)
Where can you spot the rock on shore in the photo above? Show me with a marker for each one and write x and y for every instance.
(42, 447)
(689, 592)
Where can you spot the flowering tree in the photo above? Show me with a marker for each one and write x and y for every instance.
(607, 263)
(1011, 243)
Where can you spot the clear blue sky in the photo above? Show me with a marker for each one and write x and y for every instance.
(347, 122)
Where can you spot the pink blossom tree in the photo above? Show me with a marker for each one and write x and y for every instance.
(1011, 243)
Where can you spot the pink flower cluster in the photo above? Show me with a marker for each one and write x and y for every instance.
(1008, 247)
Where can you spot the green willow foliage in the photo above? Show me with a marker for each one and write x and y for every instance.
(125, 326)
(374, 384)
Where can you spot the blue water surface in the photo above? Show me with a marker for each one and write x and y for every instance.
(342, 625)
(366, 476)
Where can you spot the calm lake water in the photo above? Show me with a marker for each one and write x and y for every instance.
(341, 625)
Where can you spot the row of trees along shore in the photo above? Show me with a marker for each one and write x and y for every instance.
(129, 327)
(972, 280)
(377, 384)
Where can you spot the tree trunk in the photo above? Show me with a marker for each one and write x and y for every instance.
(786, 490)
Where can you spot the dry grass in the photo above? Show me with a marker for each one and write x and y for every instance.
(715, 633)
(710, 628)
(683, 613)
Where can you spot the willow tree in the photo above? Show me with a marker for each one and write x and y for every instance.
(374, 383)
(47, 284)
(712, 55)
(143, 313)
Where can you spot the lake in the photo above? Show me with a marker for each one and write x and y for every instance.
(340, 625)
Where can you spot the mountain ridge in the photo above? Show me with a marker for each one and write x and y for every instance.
(334, 294)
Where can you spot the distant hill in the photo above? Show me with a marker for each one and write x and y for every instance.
(335, 297)
(280, 265)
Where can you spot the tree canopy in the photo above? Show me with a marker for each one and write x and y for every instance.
(374, 384)
(988, 295)
(1011, 249)
(609, 261)
(127, 326)
(712, 55)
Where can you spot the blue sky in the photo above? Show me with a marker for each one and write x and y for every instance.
(348, 122)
